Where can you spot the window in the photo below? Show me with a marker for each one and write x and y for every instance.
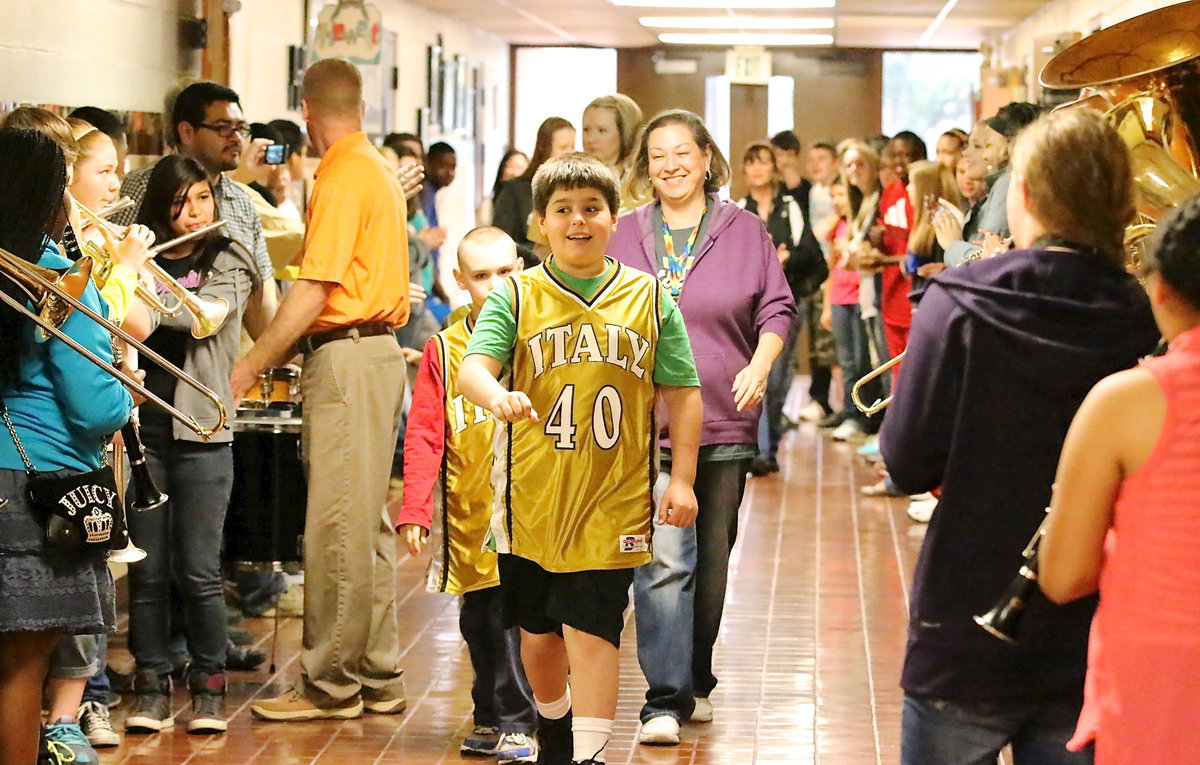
(929, 93)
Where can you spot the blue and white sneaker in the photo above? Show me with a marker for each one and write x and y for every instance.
(517, 747)
(65, 743)
(484, 741)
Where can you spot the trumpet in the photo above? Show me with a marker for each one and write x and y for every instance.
(207, 315)
(880, 403)
(1003, 618)
(41, 286)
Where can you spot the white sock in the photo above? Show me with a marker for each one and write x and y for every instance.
(555, 710)
(591, 735)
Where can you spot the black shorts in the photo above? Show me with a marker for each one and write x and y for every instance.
(541, 601)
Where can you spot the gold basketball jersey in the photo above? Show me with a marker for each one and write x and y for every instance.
(573, 490)
(463, 493)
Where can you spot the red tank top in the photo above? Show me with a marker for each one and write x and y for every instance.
(1144, 650)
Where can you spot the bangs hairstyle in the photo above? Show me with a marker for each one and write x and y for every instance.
(637, 180)
(574, 171)
(629, 120)
(759, 150)
(1175, 254)
(1078, 180)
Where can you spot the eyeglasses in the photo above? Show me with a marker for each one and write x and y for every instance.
(225, 130)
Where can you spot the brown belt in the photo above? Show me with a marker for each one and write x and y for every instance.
(310, 343)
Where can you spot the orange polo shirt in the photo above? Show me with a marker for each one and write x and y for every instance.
(356, 237)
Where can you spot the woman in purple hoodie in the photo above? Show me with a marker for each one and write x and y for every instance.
(720, 265)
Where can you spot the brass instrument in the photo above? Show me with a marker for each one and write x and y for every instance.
(1143, 76)
(207, 315)
(879, 404)
(42, 287)
(1003, 618)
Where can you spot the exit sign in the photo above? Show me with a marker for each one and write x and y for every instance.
(748, 66)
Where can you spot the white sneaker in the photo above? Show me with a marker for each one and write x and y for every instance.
(660, 731)
(849, 431)
(813, 412)
(516, 747)
(703, 712)
(921, 510)
(94, 721)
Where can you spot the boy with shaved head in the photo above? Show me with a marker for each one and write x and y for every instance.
(447, 450)
(340, 313)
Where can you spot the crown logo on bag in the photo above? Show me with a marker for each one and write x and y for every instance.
(98, 526)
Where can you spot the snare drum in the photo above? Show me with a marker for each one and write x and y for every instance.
(277, 388)
(265, 523)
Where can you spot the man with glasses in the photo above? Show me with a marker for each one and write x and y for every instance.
(207, 125)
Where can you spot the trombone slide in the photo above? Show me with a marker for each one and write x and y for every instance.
(879, 404)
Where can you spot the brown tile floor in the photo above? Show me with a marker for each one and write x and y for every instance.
(808, 662)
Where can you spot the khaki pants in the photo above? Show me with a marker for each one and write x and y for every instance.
(353, 394)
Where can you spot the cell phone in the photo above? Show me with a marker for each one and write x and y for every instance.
(275, 154)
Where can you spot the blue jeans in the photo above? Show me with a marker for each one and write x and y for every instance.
(940, 732)
(850, 336)
(182, 540)
(680, 595)
(779, 382)
(500, 691)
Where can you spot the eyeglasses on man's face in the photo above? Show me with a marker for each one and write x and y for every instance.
(227, 129)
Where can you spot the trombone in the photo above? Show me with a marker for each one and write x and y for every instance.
(42, 287)
(880, 403)
(207, 315)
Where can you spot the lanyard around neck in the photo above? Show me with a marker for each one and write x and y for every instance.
(677, 265)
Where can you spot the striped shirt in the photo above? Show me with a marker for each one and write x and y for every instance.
(233, 204)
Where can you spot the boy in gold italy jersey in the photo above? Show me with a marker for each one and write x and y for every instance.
(588, 345)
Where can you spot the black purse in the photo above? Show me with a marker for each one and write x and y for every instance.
(80, 513)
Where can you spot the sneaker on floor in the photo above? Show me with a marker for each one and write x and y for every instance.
(849, 431)
(96, 724)
(556, 744)
(703, 711)
(516, 747)
(65, 740)
(833, 420)
(662, 730)
(921, 510)
(246, 659)
(208, 703)
(870, 447)
(760, 466)
(152, 705)
(295, 706)
(484, 741)
(291, 602)
(381, 705)
(813, 412)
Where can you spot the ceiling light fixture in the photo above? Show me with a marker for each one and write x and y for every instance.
(937, 22)
(780, 40)
(731, 22)
(735, 5)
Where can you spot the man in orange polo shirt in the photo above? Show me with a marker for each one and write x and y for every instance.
(340, 313)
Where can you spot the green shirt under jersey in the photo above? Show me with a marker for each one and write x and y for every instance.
(495, 331)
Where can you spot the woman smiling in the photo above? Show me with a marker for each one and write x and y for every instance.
(721, 266)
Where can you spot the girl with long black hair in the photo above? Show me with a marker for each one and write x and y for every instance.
(62, 408)
(183, 538)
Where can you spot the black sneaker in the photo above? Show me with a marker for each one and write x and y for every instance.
(556, 744)
(152, 707)
(208, 703)
(246, 659)
(833, 420)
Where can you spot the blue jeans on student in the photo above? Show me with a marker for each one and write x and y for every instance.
(680, 596)
(98, 685)
(779, 383)
(941, 732)
(500, 691)
(182, 540)
(850, 336)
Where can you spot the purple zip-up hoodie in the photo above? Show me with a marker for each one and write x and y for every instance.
(734, 292)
